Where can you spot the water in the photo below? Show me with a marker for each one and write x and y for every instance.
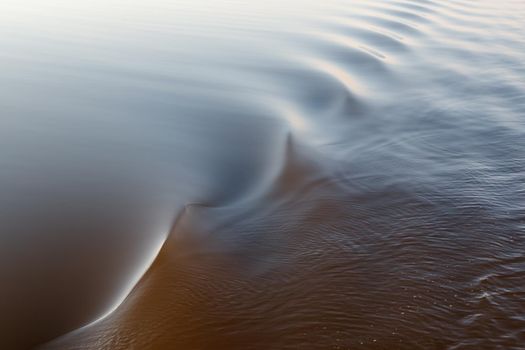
(262, 175)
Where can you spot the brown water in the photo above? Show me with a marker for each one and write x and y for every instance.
(289, 174)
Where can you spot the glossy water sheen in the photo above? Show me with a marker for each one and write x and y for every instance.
(291, 174)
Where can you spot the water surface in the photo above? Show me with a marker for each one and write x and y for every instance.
(289, 174)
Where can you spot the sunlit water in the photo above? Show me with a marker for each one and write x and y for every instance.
(229, 174)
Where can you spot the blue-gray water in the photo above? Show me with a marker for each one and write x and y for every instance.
(290, 174)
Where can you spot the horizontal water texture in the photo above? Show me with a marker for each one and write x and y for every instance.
(229, 174)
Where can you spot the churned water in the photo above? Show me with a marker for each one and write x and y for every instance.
(230, 174)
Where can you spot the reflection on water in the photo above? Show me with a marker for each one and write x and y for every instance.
(274, 175)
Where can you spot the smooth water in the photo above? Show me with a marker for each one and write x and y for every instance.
(337, 174)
